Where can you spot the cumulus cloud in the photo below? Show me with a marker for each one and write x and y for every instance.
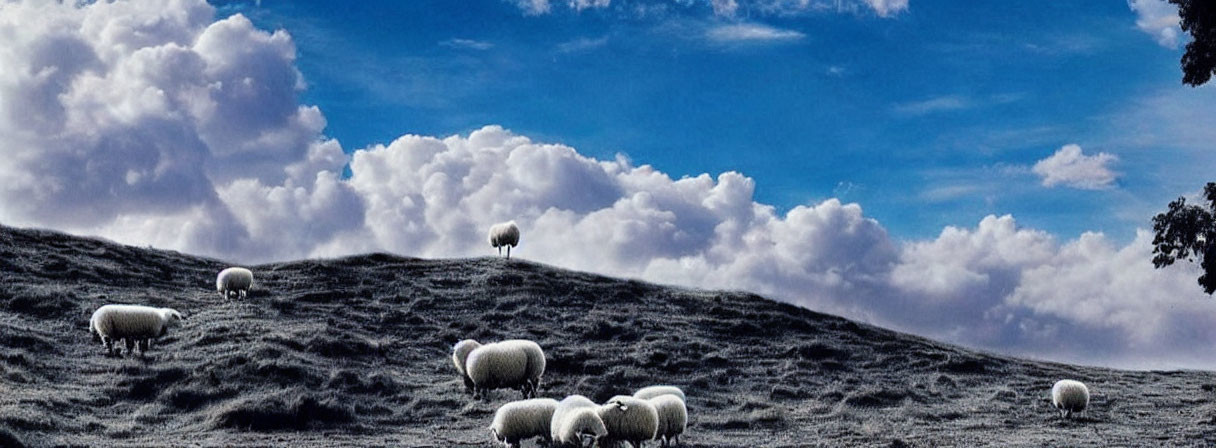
(165, 126)
(1159, 19)
(751, 32)
(126, 117)
(1069, 166)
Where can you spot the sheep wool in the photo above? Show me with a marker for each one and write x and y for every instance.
(649, 392)
(514, 363)
(134, 323)
(580, 427)
(504, 234)
(520, 420)
(630, 419)
(673, 417)
(1069, 396)
(234, 281)
(576, 418)
(460, 356)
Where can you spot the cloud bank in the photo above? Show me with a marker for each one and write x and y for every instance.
(154, 123)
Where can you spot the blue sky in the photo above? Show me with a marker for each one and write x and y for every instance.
(927, 117)
(980, 173)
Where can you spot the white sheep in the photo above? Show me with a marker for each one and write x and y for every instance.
(649, 392)
(234, 281)
(520, 420)
(576, 421)
(673, 417)
(135, 323)
(1069, 396)
(504, 234)
(515, 363)
(630, 419)
(460, 355)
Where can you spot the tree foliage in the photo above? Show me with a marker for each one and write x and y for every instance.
(1199, 19)
(1186, 232)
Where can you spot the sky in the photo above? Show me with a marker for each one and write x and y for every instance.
(981, 173)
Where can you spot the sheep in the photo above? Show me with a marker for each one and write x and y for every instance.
(630, 419)
(135, 323)
(504, 234)
(1069, 396)
(507, 364)
(673, 417)
(460, 355)
(525, 419)
(649, 392)
(576, 421)
(234, 281)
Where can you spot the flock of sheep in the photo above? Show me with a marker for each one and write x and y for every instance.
(651, 413)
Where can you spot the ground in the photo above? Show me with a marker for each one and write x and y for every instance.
(356, 352)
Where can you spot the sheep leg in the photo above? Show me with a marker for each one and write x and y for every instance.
(143, 346)
(508, 252)
(500, 251)
(109, 343)
(130, 346)
(468, 384)
(244, 293)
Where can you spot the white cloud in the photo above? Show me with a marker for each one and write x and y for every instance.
(469, 44)
(579, 5)
(724, 8)
(751, 32)
(127, 117)
(534, 7)
(154, 125)
(1071, 167)
(887, 8)
(582, 44)
(933, 105)
(1159, 19)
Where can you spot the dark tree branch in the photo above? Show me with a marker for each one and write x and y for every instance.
(1186, 232)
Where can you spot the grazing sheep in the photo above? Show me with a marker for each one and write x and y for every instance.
(234, 281)
(630, 419)
(519, 420)
(515, 363)
(649, 392)
(504, 234)
(576, 421)
(1069, 396)
(135, 323)
(673, 417)
(460, 355)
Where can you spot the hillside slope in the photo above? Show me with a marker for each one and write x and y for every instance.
(355, 352)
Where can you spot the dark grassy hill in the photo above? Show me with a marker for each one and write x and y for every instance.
(355, 352)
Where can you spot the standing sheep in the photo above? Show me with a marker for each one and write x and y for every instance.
(649, 392)
(135, 323)
(1069, 396)
(525, 419)
(576, 421)
(504, 234)
(460, 356)
(630, 419)
(673, 417)
(234, 281)
(515, 363)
